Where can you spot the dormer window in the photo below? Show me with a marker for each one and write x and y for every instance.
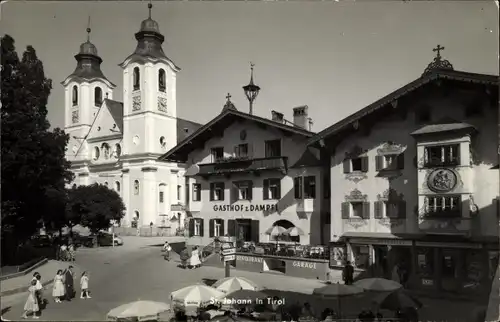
(137, 79)
(161, 80)
(97, 96)
(75, 95)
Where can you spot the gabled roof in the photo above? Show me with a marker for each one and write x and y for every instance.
(180, 152)
(116, 110)
(386, 101)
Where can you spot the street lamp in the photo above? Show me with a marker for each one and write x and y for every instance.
(251, 90)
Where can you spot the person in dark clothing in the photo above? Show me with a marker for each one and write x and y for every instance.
(69, 283)
(348, 273)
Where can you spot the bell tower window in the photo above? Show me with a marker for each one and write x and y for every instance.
(97, 96)
(137, 79)
(161, 80)
(75, 95)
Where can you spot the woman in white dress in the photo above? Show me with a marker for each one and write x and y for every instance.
(58, 288)
(194, 261)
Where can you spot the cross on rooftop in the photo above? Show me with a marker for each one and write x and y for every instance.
(438, 50)
(228, 96)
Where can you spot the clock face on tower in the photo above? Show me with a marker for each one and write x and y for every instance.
(136, 103)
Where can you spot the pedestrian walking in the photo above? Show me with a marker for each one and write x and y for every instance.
(71, 252)
(348, 273)
(31, 305)
(63, 252)
(84, 286)
(69, 283)
(184, 255)
(39, 290)
(167, 249)
(58, 290)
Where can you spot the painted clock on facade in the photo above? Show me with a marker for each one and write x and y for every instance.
(442, 180)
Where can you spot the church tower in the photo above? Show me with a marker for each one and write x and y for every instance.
(149, 95)
(84, 91)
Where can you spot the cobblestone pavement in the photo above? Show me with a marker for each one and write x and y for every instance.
(122, 275)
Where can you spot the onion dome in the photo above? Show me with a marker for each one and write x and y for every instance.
(149, 39)
(88, 65)
(229, 105)
(438, 62)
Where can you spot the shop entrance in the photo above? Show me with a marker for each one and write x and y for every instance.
(381, 261)
(244, 229)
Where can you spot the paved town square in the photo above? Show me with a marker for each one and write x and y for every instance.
(125, 274)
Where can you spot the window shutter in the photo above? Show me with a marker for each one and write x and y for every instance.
(231, 227)
(278, 182)
(222, 228)
(364, 164)
(211, 223)
(347, 165)
(345, 209)
(202, 228)
(401, 161)
(366, 210)
(234, 194)
(255, 231)
(191, 227)
(379, 163)
(212, 192)
(266, 189)
(402, 209)
(378, 209)
(297, 187)
(250, 190)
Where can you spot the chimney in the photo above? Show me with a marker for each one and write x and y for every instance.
(300, 117)
(277, 117)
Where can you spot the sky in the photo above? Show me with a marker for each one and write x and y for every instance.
(335, 57)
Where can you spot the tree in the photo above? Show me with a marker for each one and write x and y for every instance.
(33, 156)
(95, 207)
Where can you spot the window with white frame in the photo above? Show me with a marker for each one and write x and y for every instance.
(196, 192)
(217, 191)
(243, 190)
(218, 228)
(442, 155)
(272, 189)
(197, 227)
(444, 205)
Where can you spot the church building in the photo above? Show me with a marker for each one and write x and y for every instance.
(117, 144)
(415, 182)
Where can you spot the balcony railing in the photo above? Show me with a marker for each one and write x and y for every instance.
(242, 164)
(443, 225)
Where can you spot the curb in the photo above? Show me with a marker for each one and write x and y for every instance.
(21, 289)
(26, 271)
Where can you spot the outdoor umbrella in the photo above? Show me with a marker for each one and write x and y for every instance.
(397, 300)
(294, 232)
(232, 284)
(195, 296)
(232, 318)
(378, 284)
(244, 298)
(275, 231)
(138, 311)
(337, 291)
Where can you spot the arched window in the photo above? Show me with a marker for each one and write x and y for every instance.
(118, 151)
(96, 153)
(105, 148)
(75, 95)
(136, 187)
(97, 96)
(137, 79)
(117, 186)
(161, 80)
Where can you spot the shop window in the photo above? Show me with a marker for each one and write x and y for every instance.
(196, 192)
(217, 191)
(361, 255)
(272, 189)
(442, 155)
(425, 265)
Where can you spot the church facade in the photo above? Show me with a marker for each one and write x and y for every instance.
(117, 144)
(415, 182)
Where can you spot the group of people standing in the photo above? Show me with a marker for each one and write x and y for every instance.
(62, 289)
(192, 260)
(67, 252)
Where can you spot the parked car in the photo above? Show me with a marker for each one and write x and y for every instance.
(41, 241)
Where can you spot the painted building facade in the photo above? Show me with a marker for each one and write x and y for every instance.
(414, 181)
(248, 174)
(117, 144)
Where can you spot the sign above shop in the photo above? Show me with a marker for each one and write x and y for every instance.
(267, 207)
